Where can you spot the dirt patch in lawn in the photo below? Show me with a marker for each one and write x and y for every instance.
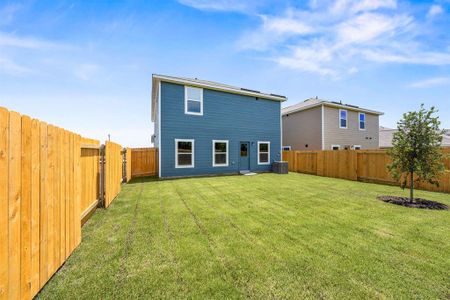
(416, 203)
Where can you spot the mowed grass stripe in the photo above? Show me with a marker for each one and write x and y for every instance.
(264, 236)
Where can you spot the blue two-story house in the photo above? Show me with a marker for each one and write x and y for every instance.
(207, 128)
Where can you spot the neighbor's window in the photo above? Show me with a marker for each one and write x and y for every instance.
(356, 147)
(263, 153)
(286, 148)
(220, 153)
(193, 100)
(342, 118)
(335, 147)
(362, 121)
(184, 153)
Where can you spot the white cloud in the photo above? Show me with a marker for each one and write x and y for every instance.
(221, 5)
(309, 59)
(286, 25)
(369, 5)
(9, 67)
(355, 6)
(369, 26)
(272, 31)
(329, 37)
(412, 57)
(86, 71)
(11, 40)
(431, 82)
(434, 10)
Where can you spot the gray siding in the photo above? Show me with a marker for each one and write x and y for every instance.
(303, 128)
(225, 117)
(368, 139)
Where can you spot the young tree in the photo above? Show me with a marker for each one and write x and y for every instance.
(416, 152)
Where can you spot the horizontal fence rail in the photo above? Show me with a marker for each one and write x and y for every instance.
(49, 186)
(358, 165)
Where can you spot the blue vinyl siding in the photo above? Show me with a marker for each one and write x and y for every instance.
(225, 117)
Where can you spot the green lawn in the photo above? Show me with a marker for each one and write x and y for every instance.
(264, 236)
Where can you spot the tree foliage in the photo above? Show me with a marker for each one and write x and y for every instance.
(416, 154)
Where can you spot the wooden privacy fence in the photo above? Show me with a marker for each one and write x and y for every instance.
(49, 185)
(40, 199)
(90, 176)
(144, 162)
(113, 171)
(361, 165)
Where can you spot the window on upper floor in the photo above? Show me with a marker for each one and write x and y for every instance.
(342, 118)
(193, 101)
(362, 121)
(184, 153)
(220, 153)
(263, 153)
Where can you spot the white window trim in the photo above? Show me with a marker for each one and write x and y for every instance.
(176, 153)
(338, 146)
(186, 101)
(268, 153)
(214, 153)
(346, 119)
(355, 146)
(359, 121)
(290, 148)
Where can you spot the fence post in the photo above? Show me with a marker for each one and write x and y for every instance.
(124, 165)
(101, 201)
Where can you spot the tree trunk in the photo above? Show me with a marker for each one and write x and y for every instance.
(411, 187)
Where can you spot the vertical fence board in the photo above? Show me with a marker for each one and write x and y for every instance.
(77, 182)
(56, 203)
(62, 199)
(14, 194)
(25, 210)
(35, 211)
(4, 206)
(43, 219)
(50, 201)
(67, 196)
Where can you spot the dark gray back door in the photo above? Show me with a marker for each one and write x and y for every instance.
(244, 156)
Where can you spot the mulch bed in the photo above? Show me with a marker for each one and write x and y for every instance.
(416, 203)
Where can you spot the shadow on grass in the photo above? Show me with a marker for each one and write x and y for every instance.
(143, 180)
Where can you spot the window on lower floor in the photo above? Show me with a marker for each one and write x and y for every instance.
(263, 153)
(335, 147)
(356, 147)
(220, 153)
(286, 148)
(184, 153)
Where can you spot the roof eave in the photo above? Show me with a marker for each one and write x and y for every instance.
(217, 88)
(359, 109)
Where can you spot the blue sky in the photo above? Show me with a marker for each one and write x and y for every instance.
(86, 66)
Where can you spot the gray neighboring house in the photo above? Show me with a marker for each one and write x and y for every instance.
(386, 135)
(317, 124)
